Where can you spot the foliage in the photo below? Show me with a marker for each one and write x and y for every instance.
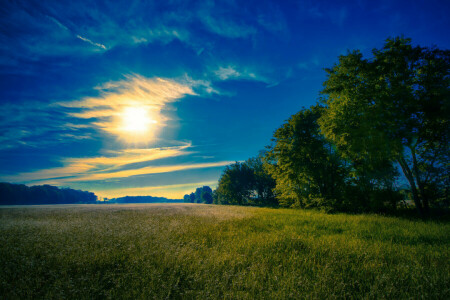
(246, 183)
(218, 252)
(202, 195)
(392, 108)
(307, 170)
(19, 194)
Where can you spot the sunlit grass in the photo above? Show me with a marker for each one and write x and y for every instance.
(202, 251)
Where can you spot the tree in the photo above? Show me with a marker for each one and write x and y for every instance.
(192, 197)
(263, 184)
(206, 196)
(187, 199)
(235, 184)
(392, 108)
(20, 194)
(305, 166)
(246, 183)
(198, 195)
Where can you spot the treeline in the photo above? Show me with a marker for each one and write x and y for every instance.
(139, 199)
(378, 137)
(19, 194)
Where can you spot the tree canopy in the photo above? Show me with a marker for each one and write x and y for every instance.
(392, 108)
(379, 117)
(246, 183)
(305, 166)
(202, 195)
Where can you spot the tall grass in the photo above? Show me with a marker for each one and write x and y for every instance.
(209, 252)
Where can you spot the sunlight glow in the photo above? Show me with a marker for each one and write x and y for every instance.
(136, 120)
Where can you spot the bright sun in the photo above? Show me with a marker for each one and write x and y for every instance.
(136, 120)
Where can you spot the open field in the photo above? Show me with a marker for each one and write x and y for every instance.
(202, 251)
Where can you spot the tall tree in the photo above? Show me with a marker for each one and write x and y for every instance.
(307, 170)
(393, 107)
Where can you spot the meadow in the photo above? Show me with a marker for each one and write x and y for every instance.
(174, 251)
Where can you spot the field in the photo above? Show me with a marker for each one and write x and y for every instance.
(173, 251)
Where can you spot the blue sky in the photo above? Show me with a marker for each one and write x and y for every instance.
(156, 97)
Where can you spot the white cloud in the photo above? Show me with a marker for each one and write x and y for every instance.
(148, 95)
(225, 73)
(121, 164)
(233, 72)
(91, 42)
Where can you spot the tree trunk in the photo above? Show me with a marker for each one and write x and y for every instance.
(409, 176)
(420, 184)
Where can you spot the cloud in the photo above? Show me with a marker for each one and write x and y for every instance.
(225, 73)
(227, 27)
(136, 94)
(36, 124)
(233, 72)
(91, 42)
(336, 14)
(121, 164)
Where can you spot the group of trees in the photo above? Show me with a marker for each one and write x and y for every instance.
(381, 125)
(202, 195)
(246, 183)
(19, 194)
(139, 199)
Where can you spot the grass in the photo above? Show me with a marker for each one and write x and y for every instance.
(173, 251)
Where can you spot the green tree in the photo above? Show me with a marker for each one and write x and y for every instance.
(263, 184)
(186, 199)
(207, 197)
(305, 166)
(246, 183)
(391, 108)
(192, 197)
(236, 184)
(198, 195)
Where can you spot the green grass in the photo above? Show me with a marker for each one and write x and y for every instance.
(207, 252)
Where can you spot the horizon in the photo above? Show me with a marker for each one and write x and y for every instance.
(152, 99)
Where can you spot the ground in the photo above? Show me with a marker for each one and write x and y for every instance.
(170, 251)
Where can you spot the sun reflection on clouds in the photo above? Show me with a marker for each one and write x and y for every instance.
(130, 109)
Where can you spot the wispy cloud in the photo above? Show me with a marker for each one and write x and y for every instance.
(147, 95)
(35, 124)
(74, 168)
(234, 72)
(91, 42)
(228, 28)
(122, 164)
(337, 14)
(225, 73)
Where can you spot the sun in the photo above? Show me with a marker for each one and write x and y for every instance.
(136, 120)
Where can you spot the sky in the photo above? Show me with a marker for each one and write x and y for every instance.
(157, 97)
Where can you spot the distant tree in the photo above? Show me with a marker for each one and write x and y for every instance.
(394, 107)
(236, 184)
(186, 199)
(192, 197)
(246, 183)
(207, 195)
(20, 194)
(198, 195)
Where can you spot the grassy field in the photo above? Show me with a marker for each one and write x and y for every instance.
(173, 251)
